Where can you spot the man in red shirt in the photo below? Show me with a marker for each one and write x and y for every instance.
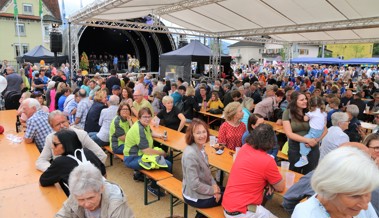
(252, 171)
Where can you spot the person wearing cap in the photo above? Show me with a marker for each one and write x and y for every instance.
(116, 90)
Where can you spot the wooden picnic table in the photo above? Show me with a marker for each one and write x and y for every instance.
(20, 192)
(224, 162)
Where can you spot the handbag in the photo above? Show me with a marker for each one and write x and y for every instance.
(215, 111)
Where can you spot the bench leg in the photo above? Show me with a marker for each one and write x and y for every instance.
(185, 210)
(171, 205)
(146, 197)
(145, 190)
(111, 158)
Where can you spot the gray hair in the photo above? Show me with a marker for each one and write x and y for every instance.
(167, 99)
(338, 117)
(353, 109)
(85, 178)
(339, 173)
(246, 85)
(114, 100)
(32, 102)
(53, 114)
(247, 103)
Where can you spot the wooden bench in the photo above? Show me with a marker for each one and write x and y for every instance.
(282, 156)
(174, 187)
(155, 175)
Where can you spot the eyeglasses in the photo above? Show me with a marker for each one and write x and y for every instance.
(146, 117)
(376, 149)
(60, 123)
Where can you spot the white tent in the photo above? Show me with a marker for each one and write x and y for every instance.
(300, 21)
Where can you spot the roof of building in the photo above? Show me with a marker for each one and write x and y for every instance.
(246, 44)
(52, 5)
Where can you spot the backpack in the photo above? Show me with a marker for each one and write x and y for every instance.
(180, 106)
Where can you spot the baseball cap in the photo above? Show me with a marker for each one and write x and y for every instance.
(115, 87)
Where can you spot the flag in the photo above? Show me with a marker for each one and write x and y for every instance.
(40, 8)
(15, 8)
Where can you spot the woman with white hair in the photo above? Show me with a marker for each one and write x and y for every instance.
(352, 111)
(342, 188)
(92, 196)
(171, 117)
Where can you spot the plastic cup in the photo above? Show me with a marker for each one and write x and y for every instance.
(285, 165)
(237, 150)
(212, 140)
(156, 122)
(367, 109)
(290, 178)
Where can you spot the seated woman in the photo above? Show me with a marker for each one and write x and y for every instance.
(254, 121)
(171, 117)
(119, 128)
(65, 142)
(342, 188)
(252, 172)
(139, 141)
(38, 95)
(199, 187)
(92, 121)
(93, 196)
(232, 130)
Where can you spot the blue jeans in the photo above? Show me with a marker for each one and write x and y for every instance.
(118, 149)
(96, 139)
(313, 133)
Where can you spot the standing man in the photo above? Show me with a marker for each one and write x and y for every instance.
(37, 126)
(112, 80)
(82, 110)
(14, 80)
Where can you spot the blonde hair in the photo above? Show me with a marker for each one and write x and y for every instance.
(190, 91)
(167, 99)
(99, 95)
(231, 110)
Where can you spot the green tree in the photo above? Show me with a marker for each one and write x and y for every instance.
(375, 50)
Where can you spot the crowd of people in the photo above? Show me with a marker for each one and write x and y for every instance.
(320, 108)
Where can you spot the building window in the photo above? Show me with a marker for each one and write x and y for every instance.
(21, 29)
(272, 51)
(303, 51)
(25, 49)
(28, 9)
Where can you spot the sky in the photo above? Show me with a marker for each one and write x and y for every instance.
(73, 5)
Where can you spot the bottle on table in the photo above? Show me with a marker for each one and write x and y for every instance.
(18, 125)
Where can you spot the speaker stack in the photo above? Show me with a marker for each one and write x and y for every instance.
(56, 42)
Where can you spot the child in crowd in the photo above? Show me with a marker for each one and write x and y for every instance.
(334, 107)
(215, 102)
(317, 119)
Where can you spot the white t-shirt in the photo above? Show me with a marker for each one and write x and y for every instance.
(317, 119)
(312, 208)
